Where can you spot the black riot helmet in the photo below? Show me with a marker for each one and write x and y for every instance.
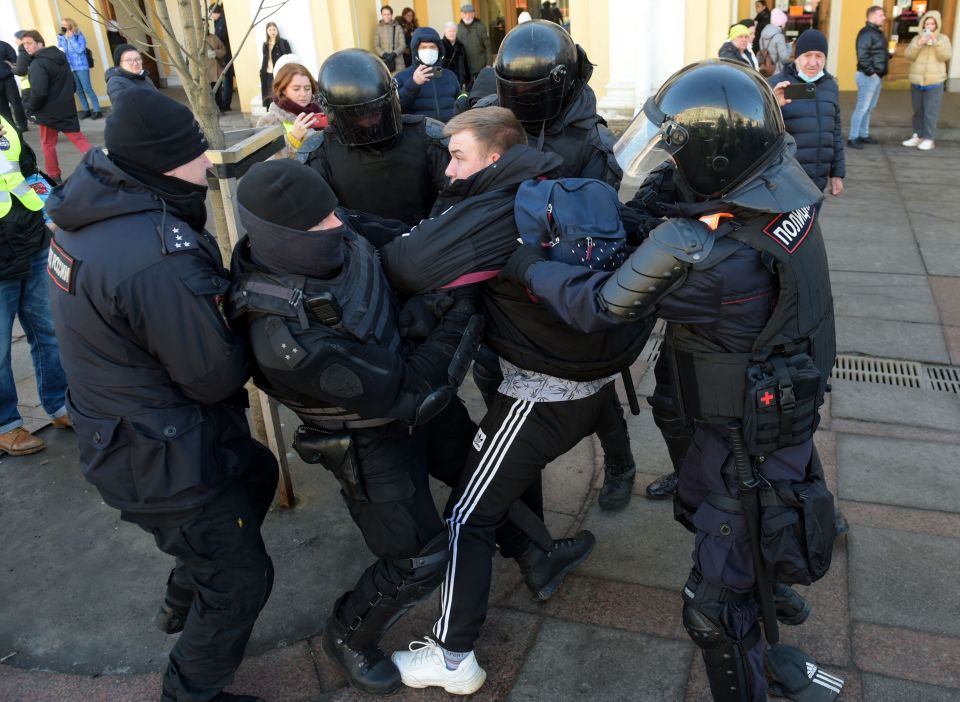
(718, 121)
(360, 96)
(537, 70)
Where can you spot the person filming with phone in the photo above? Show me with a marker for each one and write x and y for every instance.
(928, 53)
(425, 87)
(294, 107)
(811, 112)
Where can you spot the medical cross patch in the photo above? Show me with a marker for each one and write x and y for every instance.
(765, 398)
(62, 268)
(791, 228)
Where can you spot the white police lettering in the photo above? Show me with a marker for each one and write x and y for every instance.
(791, 228)
(61, 267)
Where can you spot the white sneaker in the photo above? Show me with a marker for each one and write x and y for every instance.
(925, 145)
(912, 141)
(423, 666)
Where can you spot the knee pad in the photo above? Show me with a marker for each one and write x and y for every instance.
(427, 568)
(724, 653)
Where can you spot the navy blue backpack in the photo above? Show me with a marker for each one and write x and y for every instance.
(577, 218)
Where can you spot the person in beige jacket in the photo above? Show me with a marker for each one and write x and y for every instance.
(388, 41)
(929, 52)
(215, 53)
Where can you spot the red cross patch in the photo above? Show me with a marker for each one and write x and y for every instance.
(765, 398)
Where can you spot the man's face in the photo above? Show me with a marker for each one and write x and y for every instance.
(194, 171)
(467, 156)
(811, 62)
(741, 42)
(215, 16)
(31, 46)
(878, 17)
(467, 17)
(758, 6)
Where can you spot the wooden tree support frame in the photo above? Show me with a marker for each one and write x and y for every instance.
(229, 164)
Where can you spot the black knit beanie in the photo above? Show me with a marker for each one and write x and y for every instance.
(121, 50)
(811, 40)
(152, 131)
(286, 193)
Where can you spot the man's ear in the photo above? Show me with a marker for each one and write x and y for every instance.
(494, 157)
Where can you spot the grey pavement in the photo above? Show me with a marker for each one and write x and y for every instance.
(79, 586)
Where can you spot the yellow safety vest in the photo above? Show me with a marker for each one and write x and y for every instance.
(13, 181)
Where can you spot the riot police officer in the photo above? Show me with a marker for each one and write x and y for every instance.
(542, 78)
(740, 273)
(331, 343)
(375, 159)
(160, 422)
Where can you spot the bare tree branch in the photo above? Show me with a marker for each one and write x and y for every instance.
(256, 20)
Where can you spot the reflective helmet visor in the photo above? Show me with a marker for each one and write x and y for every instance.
(649, 140)
(367, 122)
(535, 100)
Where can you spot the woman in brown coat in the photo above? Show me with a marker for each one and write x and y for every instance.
(928, 52)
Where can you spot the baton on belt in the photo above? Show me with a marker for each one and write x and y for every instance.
(750, 502)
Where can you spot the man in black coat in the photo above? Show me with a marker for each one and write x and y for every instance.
(50, 100)
(815, 124)
(872, 64)
(11, 105)
(225, 96)
(161, 423)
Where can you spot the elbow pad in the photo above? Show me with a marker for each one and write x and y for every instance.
(655, 267)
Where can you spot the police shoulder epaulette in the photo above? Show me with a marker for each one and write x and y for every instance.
(178, 237)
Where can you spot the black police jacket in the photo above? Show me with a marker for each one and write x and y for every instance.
(816, 127)
(398, 180)
(872, 56)
(336, 369)
(472, 229)
(136, 296)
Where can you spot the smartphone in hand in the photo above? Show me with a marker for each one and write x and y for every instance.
(800, 91)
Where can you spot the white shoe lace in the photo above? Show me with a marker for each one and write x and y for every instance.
(425, 649)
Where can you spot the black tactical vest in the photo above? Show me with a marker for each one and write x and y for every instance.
(396, 183)
(278, 306)
(711, 382)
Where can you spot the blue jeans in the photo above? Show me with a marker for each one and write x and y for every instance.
(29, 299)
(868, 92)
(81, 81)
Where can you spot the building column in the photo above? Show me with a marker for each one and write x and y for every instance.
(629, 39)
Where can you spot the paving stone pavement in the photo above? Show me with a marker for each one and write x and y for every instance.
(78, 586)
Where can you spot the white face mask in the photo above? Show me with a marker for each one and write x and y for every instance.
(428, 56)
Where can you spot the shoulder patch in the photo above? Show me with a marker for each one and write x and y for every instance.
(177, 236)
(62, 268)
(791, 228)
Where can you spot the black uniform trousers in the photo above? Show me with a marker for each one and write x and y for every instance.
(516, 440)
(11, 106)
(399, 516)
(222, 559)
(721, 552)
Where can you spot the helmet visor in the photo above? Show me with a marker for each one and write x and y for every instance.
(367, 122)
(649, 140)
(535, 100)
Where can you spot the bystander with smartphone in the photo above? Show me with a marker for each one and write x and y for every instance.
(294, 107)
(811, 111)
(928, 53)
(426, 88)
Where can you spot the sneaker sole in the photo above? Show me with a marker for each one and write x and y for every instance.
(468, 687)
(550, 589)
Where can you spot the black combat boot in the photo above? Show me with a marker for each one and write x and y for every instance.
(84, 115)
(791, 608)
(617, 484)
(368, 670)
(544, 571)
(662, 488)
(169, 696)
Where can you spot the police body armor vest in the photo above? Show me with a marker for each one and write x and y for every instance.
(395, 183)
(712, 383)
(571, 144)
(367, 313)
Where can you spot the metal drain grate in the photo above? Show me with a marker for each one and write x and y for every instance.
(885, 371)
(864, 369)
(944, 378)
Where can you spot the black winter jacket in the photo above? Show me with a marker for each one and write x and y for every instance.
(280, 48)
(119, 80)
(815, 126)
(473, 229)
(436, 97)
(22, 231)
(50, 98)
(455, 59)
(872, 56)
(731, 53)
(7, 54)
(136, 296)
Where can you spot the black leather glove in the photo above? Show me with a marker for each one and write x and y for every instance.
(521, 259)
